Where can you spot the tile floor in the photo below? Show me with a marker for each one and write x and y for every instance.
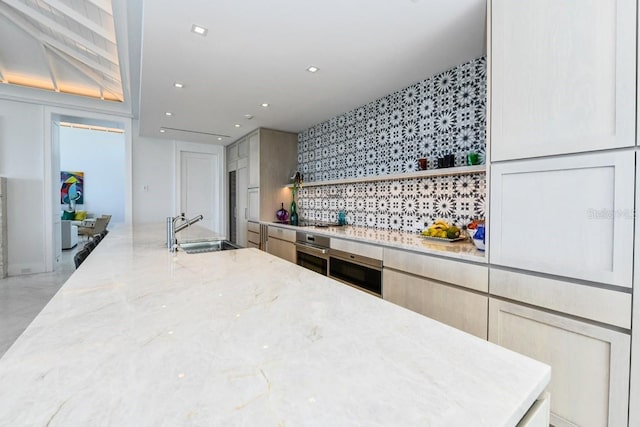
(23, 297)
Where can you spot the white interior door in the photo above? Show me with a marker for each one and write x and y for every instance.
(199, 176)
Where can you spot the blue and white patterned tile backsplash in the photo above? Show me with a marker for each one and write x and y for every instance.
(445, 114)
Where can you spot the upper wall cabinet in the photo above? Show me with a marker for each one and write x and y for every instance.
(563, 76)
(570, 216)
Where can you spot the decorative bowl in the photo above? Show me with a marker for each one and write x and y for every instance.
(478, 237)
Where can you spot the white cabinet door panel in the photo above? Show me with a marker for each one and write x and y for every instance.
(563, 76)
(569, 216)
(589, 364)
(254, 160)
(634, 405)
(253, 196)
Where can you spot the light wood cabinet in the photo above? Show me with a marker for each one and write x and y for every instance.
(443, 289)
(281, 243)
(262, 161)
(563, 76)
(590, 364)
(570, 216)
(253, 235)
(254, 159)
(462, 309)
(538, 414)
(612, 307)
(271, 156)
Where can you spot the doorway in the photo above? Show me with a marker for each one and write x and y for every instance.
(199, 184)
(53, 117)
(198, 187)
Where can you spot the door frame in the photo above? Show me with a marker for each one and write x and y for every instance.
(51, 186)
(219, 152)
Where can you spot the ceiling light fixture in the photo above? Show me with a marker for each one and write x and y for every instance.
(312, 69)
(178, 85)
(168, 113)
(248, 116)
(237, 125)
(265, 105)
(197, 29)
(162, 131)
(219, 139)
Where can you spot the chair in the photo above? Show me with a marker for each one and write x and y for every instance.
(98, 227)
(79, 257)
(90, 245)
(108, 218)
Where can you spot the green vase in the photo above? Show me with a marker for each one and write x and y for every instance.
(293, 217)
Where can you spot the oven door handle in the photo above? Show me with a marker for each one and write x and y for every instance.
(312, 249)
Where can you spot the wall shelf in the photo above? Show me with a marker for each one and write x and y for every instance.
(461, 170)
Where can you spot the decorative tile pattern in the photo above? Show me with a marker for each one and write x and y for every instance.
(403, 205)
(445, 114)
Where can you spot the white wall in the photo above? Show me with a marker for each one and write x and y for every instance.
(101, 156)
(153, 178)
(22, 152)
(22, 162)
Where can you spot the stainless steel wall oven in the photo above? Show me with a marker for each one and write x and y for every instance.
(313, 252)
(356, 270)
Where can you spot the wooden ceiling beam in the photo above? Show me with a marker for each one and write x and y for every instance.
(82, 20)
(54, 26)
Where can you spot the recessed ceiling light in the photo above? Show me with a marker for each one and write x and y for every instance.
(312, 69)
(248, 116)
(178, 85)
(162, 131)
(219, 139)
(168, 113)
(237, 125)
(265, 105)
(201, 31)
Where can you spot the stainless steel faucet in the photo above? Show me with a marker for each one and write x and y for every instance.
(172, 241)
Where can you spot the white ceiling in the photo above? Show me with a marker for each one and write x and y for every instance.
(257, 51)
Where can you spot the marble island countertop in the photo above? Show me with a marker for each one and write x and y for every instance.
(142, 337)
(464, 250)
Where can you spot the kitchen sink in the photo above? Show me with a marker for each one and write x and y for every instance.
(207, 246)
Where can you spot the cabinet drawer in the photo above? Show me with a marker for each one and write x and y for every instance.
(570, 216)
(357, 248)
(473, 276)
(282, 249)
(601, 305)
(538, 414)
(253, 226)
(282, 234)
(589, 364)
(464, 310)
(253, 238)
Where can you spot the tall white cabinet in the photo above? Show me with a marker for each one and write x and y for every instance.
(562, 197)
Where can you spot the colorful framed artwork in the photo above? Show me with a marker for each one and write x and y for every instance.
(71, 188)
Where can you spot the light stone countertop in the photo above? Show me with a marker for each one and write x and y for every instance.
(142, 337)
(464, 250)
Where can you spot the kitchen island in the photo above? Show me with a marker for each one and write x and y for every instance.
(139, 336)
